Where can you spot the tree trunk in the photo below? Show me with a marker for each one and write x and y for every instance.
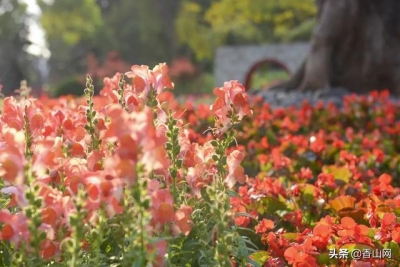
(356, 45)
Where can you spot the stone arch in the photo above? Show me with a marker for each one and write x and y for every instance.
(257, 65)
(234, 62)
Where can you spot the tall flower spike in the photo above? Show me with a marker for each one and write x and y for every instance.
(121, 88)
(90, 127)
(230, 106)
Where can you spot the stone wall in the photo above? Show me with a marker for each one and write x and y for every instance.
(234, 62)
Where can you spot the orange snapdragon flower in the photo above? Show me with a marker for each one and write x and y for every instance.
(145, 80)
(235, 171)
(231, 98)
(14, 228)
(11, 164)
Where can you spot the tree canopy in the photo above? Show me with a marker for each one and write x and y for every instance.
(81, 21)
(203, 26)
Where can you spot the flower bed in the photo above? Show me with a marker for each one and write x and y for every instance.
(133, 178)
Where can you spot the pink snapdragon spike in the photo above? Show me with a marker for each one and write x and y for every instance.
(12, 163)
(145, 80)
(232, 97)
(111, 86)
(53, 206)
(202, 170)
(14, 228)
(162, 204)
(236, 172)
(130, 94)
(47, 154)
(13, 113)
(142, 78)
(161, 78)
(135, 132)
(199, 176)
(17, 194)
(182, 221)
(102, 190)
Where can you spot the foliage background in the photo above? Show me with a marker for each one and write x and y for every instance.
(183, 33)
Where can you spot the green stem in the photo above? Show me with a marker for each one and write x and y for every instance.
(100, 236)
(142, 232)
(173, 150)
(90, 127)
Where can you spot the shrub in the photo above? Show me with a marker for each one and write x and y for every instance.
(69, 86)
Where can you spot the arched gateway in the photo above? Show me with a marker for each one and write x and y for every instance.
(238, 62)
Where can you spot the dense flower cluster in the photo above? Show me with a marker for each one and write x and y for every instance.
(320, 179)
(131, 173)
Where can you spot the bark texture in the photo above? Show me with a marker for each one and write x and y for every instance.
(356, 45)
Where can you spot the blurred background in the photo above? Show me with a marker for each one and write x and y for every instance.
(54, 43)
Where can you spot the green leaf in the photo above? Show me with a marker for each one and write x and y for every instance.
(249, 244)
(204, 194)
(266, 167)
(290, 236)
(308, 191)
(232, 193)
(394, 248)
(340, 173)
(323, 258)
(244, 229)
(245, 214)
(397, 211)
(5, 257)
(260, 257)
(270, 205)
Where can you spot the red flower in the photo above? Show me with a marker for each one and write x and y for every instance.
(266, 186)
(396, 233)
(295, 218)
(349, 231)
(388, 226)
(305, 174)
(263, 159)
(48, 249)
(279, 161)
(277, 244)
(322, 234)
(274, 262)
(372, 215)
(384, 187)
(300, 255)
(264, 226)
(264, 143)
(325, 180)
